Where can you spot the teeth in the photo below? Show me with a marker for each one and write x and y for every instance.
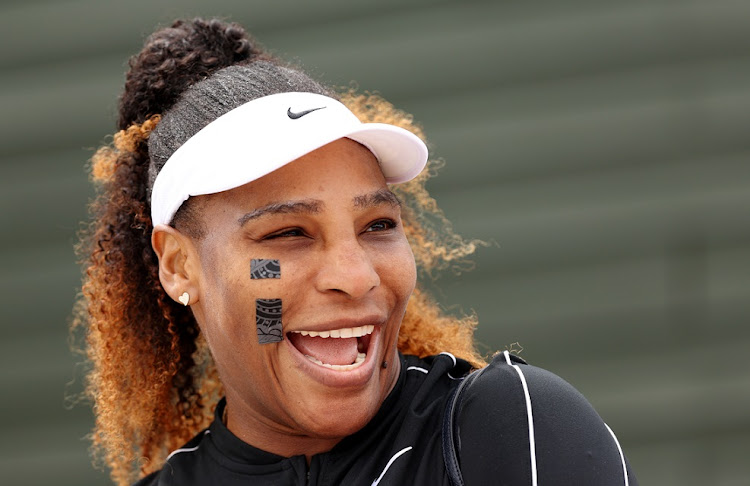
(347, 332)
(342, 333)
(357, 363)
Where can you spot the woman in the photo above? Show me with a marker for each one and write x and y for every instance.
(250, 299)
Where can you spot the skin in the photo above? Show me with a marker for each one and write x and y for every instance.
(345, 263)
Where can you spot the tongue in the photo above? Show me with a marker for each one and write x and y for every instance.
(335, 351)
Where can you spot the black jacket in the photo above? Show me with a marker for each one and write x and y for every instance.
(507, 403)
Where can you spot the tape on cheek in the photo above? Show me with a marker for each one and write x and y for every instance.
(268, 320)
(265, 268)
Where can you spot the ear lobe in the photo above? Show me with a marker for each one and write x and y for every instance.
(175, 252)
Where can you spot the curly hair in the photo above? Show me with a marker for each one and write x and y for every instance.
(152, 380)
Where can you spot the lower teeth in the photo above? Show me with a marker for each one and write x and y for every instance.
(357, 363)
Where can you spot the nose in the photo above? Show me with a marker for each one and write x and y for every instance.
(348, 269)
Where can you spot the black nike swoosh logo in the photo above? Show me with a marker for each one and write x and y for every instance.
(300, 114)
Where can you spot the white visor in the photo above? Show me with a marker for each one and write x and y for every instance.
(262, 135)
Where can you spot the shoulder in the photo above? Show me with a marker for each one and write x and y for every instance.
(518, 421)
(509, 384)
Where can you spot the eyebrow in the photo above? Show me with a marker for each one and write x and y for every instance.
(309, 206)
(381, 196)
(312, 206)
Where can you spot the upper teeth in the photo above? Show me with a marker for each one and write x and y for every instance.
(347, 332)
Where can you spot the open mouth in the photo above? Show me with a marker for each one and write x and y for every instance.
(338, 349)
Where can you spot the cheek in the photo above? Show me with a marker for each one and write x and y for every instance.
(398, 271)
(232, 289)
(242, 321)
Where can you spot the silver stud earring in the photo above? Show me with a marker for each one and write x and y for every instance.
(184, 298)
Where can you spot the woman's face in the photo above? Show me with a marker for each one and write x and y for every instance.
(335, 229)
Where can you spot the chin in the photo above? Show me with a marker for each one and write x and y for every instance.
(338, 419)
(338, 429)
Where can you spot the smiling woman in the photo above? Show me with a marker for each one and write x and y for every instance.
(348, 266)
(251, 304)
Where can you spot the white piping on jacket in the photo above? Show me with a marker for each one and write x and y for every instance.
(529, 414)
(395, 456)
(622, 457)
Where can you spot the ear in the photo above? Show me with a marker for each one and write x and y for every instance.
(178, 258)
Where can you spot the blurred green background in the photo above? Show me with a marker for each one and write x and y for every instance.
(602, 146)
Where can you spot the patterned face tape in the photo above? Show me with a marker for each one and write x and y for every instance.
(264, 268)
(268, 320)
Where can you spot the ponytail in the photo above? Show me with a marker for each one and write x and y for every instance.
(144, 382)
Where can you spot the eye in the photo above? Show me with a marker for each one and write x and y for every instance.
(381, 225)
(285, 233)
